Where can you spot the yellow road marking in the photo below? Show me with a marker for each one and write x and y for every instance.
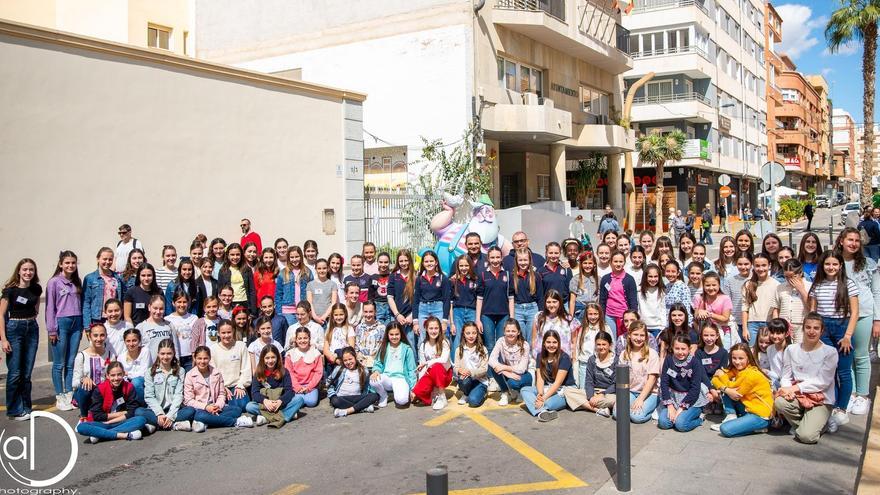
(37, 407)
(293, 489)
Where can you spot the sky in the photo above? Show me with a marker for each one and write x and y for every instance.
(803, 39)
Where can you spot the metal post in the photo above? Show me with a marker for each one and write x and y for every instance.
(644, 212)
(438, 481)
(791, 239)
(831, 231)
(624, 478)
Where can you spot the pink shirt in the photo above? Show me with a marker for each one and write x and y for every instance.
(721, 304)
(641, 368)
(616, 304)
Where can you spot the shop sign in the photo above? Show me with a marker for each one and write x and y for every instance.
(724, 124)
(562, 89)
(697, 148)
(702, 180)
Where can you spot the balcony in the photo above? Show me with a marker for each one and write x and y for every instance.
(654, 5)
(692, 61)
(537, 120)
(586, 31)
(648, 14)
(604, 137)
(692, 107)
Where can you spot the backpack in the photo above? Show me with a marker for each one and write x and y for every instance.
(134, 243)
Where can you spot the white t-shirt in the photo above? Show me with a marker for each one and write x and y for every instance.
(256, 347)
(153, 333)
(351, 383)
(138, 367)
(315, 330)
(116, 337)
(122, 250)
(181, 327)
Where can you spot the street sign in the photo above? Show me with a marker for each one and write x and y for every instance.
(723, 180)
(772, 173)
(762, 228)
(644, 188)
(725, 191)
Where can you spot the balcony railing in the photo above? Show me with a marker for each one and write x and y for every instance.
(598, 22)
(554, 8)
(671, 51)
(622, 41)
(649, 5)
(671, 98)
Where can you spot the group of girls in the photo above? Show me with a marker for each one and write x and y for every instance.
(238, 338)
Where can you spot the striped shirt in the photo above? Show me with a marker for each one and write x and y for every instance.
(825, 295)
(733, 287)
(789, 303)
(164, 276)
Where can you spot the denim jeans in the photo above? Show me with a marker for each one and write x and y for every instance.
(460, 316)
(426, 309)
(150, 416)
(687, 420)
(493, 329)
(706, 236)
(186, 362)
(613, 328)
(745, 424)
(242, 403)
(506, 384)
(474, 390)
(872, 251)
(754, 328)
(525, 314)
(138, 383)
(291, 319)
(383, 313)
(24, 337)
(579, 309)
(64, 352)
(835, 328)
(227, 417)
(555, 402)
(83, 399)
(648, 407)
(310, 399)
(288, 411)
(103, 431)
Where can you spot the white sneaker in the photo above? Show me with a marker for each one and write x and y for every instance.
(493, 385)
(150, 429)
(244, 422)
(382, 403)
(22, 417)
(840, 417)
(514, 396)
(504, 400)
(831, 426)
(370, 409)
(68, 399)
(860, 405)
(851, 403)
(134, 435)
(181, 426)
(62, 404)
(439, 402)
(717, 426)
(545, 416)
(655, 416)
(339, 413)
(261, 420)
(93, 440)
(604, 412)
(199, 427)
(462, 400)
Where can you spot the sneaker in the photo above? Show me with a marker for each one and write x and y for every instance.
(21, 417)
(370, 409)
(261, 420)
(851, 403)
(840, 417)
(493, 385)
(860, 405)
(873, 356)
(514, 396)
(462, 400)
(382, 403)
(68, 399)
(776, 423)
(831, 426)
(62, 404)
(717, 426)
(339, 413)
(545, 416)
(504, 400)
(244, 422)
(135, 435)
(150, 429)
(181, 426)
(199, 427)
(655, 416)
(439, 402)
(604, 412)
(93, 440)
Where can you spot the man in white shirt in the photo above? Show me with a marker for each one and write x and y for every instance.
(124, 246)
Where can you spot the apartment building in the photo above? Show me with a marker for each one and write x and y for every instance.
(823, 171)
(845, 169)
(799, 127)
(541, 78)
(708, 57)
(161, 24)
(774, 67)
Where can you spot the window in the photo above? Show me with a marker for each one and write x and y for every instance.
(159, 37)
(543, 187)
(530, 80)
(510, 75)
(595, 102)
(790, 95)
(656, 90)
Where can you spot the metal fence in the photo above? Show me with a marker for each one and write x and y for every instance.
(385, 223)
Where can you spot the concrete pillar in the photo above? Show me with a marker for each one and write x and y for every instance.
(557, 172)
(615, 182)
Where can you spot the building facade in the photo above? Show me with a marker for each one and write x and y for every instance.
(774, 67)
(799, 128)
(541, 79)
(845, 169)
(708, 60)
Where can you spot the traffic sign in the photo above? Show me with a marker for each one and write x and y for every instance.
(725, 191)
(772, 173)
(723, 180)
(644, 188)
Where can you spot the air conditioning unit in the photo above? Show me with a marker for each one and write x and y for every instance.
(531, 99)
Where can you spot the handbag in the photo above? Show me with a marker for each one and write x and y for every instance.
(809, 400)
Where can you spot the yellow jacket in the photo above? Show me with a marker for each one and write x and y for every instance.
(754, 387)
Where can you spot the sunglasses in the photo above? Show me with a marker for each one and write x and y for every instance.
(123, 232)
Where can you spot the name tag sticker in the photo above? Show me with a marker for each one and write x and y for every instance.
(159, 379)
(140, 305)
(707, 361)
(671, 372)
(607, 286)
(234, 358)
(319, 291)
(609, 371)
(21, 300)
(120, 401)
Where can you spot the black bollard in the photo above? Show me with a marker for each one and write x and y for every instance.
(438, 481)
(831, 231)
(624, 477)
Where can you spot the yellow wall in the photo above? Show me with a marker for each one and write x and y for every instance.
(36, 12)
(167, 13)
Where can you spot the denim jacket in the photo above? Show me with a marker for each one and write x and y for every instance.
(286, 291)
(93, 296)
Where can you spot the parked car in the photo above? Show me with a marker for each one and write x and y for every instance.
(851, 214)
(822, 201)
(839, 199)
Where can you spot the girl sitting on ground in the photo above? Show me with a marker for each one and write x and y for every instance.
(395, 356)
(745, 394)
(509, 363)
(471, 367)
(306, 367)
(204, 394)
(273, 400)
(163, 392)
(350, 393)
(112, 412)
(597, 392)
(553, 373)
(435, 367)
(88, 368)
(682, 391)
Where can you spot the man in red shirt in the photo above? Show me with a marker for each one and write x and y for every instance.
(248, 236)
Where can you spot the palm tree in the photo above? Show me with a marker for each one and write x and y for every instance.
(856, 21)
(659, 148)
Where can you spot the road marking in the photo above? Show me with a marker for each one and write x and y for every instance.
(562, 479)
(37, 407)
(293, 489)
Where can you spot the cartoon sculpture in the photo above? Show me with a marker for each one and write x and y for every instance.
(451, 235)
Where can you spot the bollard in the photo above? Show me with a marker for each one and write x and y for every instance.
(623, 424)
(790, 238)
(831, 231)
(437, 480)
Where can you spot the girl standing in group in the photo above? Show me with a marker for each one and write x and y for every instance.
(88, 368)
(808, 254)
(553, 274)
(263, 327)
(136, 258)
(509, 363)
(163, 392)
(368, 336)
(686, 248)
(167, 271)
(196, 254)
(251, 256)
(218, 255)
(603, 260)
(758, 294)
(63, 325)
(379, 288)
(321, 293)
(239, 276)
(98, 287)
(186, 283)
(230, 358)
(725, 265)
(644, 366)
(662, 246)
(334, 273)
(205, 393)
(863, 271)
(272, 391)
(678, 324)
(554, 317)
(112, 412)
(807, 387)
(646, 241)
(291, 285)
(652, 303)
(435, 367)
(528, 289)
(745, 394)
(204, 331)
(306, 367)
(617, 293)
(304, 320)
(226, 307)
(472, 367)
(594, 324)
(584, 287)
(745, 244)
(553, 372)
(635, 265)
(282, 248)
(770, 247)
(792, 298)
(464, 297)
(116, 327)
(835, 297)
(205, 284)
(431, 294)
(713, 306)
(310, 256)
(395, 367)
(682, 390)
(339, 335)
(154, 329)
(135, 308)
(351, 393)
(677, 290)
(494, 300)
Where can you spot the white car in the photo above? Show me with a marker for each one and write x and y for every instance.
(851, 214)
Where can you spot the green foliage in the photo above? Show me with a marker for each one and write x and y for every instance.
(791, 209)
(587, 175)
(659, 148)
(875, 200)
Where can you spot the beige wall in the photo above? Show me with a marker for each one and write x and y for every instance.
(168, 13)
(99, 136)
(37, 12)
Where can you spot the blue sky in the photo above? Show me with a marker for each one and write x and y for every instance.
(803, 39)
